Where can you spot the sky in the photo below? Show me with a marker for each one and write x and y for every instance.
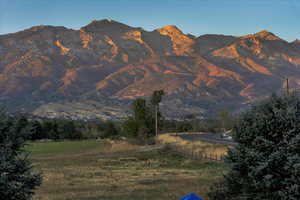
(197, 17)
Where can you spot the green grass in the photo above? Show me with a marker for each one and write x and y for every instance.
(92, 170)
(48, 148)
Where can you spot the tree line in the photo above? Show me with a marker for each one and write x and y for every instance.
(144, 123)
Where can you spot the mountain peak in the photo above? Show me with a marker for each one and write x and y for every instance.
(169, 29)
(264, 34)
(104, 21)
(45, 27)
(37, 29)
(105, 25)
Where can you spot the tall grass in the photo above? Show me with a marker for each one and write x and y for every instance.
(195, 146)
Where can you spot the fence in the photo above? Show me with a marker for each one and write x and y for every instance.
(195, 154)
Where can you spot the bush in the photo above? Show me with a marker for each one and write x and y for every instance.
(266, 162)
(17, 181)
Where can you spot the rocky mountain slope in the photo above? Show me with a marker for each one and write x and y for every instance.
(113, 63)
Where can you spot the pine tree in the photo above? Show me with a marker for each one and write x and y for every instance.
(266, 162)
(17, 181)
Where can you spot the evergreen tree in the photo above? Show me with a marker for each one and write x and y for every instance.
(22, 123)
(139, 118)
(54, 131)
(130, 127)
(47, 127)
(109, 130)
(67, 130)
(17, 182)
(266, 162)
(142, 118)
(37, 132)
(140, 110)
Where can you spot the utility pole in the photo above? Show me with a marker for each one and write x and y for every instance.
(287, 87)
(155, 100)
(156, 120)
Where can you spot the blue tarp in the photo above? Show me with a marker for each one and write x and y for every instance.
(191, 197)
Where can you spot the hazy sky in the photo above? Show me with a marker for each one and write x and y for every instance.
(230, 17)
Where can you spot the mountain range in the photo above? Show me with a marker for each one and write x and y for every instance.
(96, 71)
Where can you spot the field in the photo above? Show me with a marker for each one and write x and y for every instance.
(92, 170)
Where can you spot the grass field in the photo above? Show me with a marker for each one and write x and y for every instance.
(50, 148)
(92, 170)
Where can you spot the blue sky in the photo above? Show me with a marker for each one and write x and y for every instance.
(229, 17)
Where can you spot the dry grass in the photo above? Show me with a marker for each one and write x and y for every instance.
(195, 146)
(120, 146)
(116, 170)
